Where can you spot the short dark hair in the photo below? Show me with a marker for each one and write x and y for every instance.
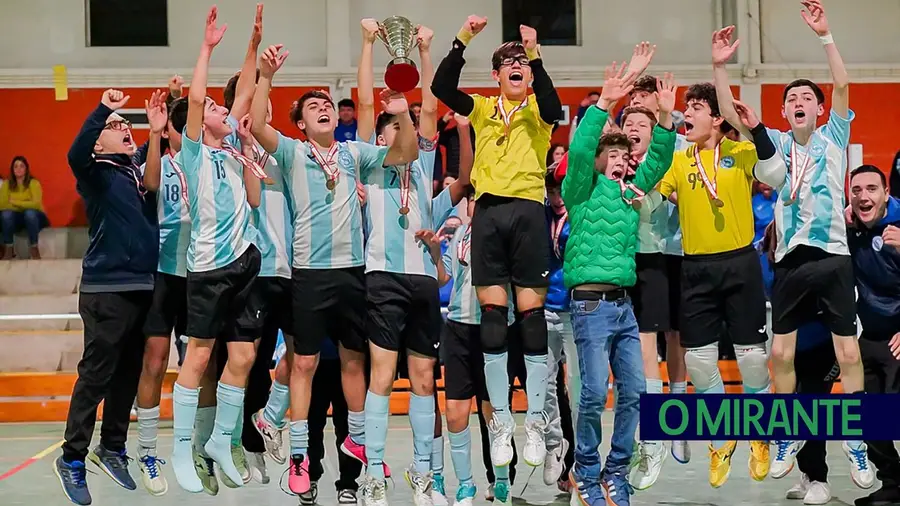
(593, 92)
(415, 104)
(869, 169)
(706, 92)
(506, 50)
(297, 108)
(346, 102)
(384, 119)
(550, 180)
(613, 139)
(639, 110)
(231, 89)
(645, 83)
(178, 113)
(797, 83)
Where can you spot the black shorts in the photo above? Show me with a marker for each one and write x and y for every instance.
(809, 281)
(270, 299)
(404, 312)
(329, 304)
(218, 299)
(169, 309)
(723, 292)
(673, 268)
(652, 299)
(464, 361)
(510, 243)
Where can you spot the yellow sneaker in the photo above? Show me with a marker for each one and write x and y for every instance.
(720, 463)
(759, 460)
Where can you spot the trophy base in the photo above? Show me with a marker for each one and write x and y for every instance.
(401, 75)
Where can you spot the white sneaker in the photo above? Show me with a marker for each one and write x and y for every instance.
(271, 435)
(818, 493)
(860, 468)
(554, 463)
(374, 492)
(652, 456)
(681, 451)
(785, 456)
(256, 464)
(501, 434)
(489, 493)
(799, 490)
(347, 496)
(535, 447)
(421, 485)
(151, 475)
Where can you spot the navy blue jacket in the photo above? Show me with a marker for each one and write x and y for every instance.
(122, 222)
(877, 272)
(557, 294)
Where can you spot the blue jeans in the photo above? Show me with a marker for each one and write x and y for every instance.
(31, 220)
(606, 333)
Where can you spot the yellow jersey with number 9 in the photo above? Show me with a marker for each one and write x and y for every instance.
(706, 228)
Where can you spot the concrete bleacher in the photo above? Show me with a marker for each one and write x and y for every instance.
(55, 243)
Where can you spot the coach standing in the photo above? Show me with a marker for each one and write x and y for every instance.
(115, 294)
(875, 249)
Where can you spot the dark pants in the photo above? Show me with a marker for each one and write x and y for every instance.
(817, 370)
(565, 417)
(31, 220)
(259, 383)
(109, 369)
(882, 376)
(516, 369)
(327, 391)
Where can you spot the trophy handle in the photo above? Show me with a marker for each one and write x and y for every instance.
(416, 36)
(382, 36)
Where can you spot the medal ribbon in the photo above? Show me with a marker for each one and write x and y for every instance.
(261, 155)
(624, 187)
(184, 190)
(131, 170)
(404, 185)
(462, 248)
(556, 231)
(710, 184)
(798, 169)
(507, 117)
(254, 167)
(327, 163)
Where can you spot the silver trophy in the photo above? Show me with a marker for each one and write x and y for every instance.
(399, 36)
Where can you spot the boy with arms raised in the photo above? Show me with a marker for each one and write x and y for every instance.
(599, 268)
(813, 268)
(509, 241)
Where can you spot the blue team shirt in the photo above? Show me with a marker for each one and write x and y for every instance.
(174, 219)
(274, 221)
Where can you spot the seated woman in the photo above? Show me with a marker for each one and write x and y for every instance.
(21, 205)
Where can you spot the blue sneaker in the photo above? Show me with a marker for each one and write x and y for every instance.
(618, 490)
(72, 478)
(438, 490)
(589, 493)
(465, 494)
(114, 464)
(502, 493)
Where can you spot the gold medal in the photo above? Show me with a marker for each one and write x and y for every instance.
(268, 181)
(501, 140)
(718, 203)
(330, 184)
(404, 210)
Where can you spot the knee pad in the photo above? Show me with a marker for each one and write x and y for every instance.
(703, 366)
(754, 366)
(493, 328)
(534, 332)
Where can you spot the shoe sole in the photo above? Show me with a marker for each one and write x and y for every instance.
(62, 483)
(96, 461)
(156, 494)
(778, 476)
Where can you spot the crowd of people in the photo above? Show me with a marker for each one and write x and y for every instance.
(223, 229)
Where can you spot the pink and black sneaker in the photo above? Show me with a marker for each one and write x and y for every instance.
(298, 479)
(358, 452)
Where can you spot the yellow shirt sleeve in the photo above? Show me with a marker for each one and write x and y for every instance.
(480, 112)
(669, 183)
(748, 157)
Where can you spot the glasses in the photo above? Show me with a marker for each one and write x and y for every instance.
(507, 62)
(118, 125)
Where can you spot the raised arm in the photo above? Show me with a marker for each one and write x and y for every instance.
(269, 63)
(446, 79)
(81, 153)
(197, 93)
(770, 167)
(405, 148)
(243, 93)
(428, 117)
(722, 50)
(814, 15)
(466, 160)
(252, 182)
(548, 102)
(662, 143)
(157, 117)
(365, 82)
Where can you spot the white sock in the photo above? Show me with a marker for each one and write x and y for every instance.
(148, 430)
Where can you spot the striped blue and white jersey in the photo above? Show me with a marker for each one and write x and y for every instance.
(464, 306)
(174, 218)
(816, 218)
(671, 237)
(273, 220)
(220, 216)
(328, 232)
(392, 245)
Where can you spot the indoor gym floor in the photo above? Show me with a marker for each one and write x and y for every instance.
(27, 452)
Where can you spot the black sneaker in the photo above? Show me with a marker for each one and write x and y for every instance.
(347, 496)
(114, 464)
(887, 495)
(72, 478)
(312, 495)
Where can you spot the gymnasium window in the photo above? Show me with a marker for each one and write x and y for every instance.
(127, 23)
(556, 21)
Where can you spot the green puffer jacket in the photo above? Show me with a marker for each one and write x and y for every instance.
(603, 237)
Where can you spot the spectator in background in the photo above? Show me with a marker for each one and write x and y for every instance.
(22, 207)
(346, 127)
(763, 203)
(894, 179)
(416, 109)
(557, 151)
